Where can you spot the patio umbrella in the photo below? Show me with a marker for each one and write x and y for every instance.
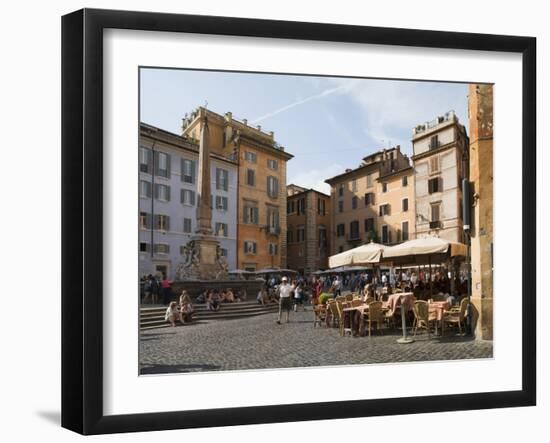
(240, 272)
(425, 246)
(275, 271)
(365, 254)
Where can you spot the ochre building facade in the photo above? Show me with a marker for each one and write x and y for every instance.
(261, 188)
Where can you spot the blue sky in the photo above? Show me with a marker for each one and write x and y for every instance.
(328, 123)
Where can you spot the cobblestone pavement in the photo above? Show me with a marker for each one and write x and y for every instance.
(258, 342)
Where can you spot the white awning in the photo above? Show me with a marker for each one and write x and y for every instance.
(364, 254)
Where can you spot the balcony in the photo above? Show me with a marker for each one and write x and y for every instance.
(273, 230)
(435, 224)
(434, 145)
(353, 237)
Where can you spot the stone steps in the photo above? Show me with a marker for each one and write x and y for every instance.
(153, 317)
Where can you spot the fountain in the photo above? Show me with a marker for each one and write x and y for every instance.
(203, 265)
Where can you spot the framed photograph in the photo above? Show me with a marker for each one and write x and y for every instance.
(269, 221)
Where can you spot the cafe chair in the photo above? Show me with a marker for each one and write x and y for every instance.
(374, 315)
(456, 316)
(422, 316)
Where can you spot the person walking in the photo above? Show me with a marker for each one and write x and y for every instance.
(285, 304)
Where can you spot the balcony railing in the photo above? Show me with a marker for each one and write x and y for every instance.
(435, 224)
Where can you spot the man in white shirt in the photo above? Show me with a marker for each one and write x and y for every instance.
(337, 286)
(285, 303)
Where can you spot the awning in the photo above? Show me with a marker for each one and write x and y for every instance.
(362, 255)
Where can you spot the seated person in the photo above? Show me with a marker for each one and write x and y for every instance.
(262, 297)
(229, 297)
(172, 314)
(202, 297)
(186, 308)
(213, 301)
(323, 298)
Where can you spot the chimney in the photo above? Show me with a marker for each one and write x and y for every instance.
(229, 116)
(348, 170)
(259, 128)
(272, 134)
(245, 121)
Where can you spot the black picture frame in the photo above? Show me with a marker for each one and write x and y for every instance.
(82, 218)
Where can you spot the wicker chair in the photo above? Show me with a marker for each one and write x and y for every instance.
(375, 314)
(332, 313)
(369, 300)
(320, 314)
(456, 316)
(348, 297)
(422, 318)
(340, 313)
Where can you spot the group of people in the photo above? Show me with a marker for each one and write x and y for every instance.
(182, 311)
(156, 288)
(214, 298)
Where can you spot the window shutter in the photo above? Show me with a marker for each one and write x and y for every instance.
(156, 162)
(167, 193)
(225, 176)
(245, 214)
(192, 198)
(168, 165)
(380, 211)
(218, 178)
(182, 195)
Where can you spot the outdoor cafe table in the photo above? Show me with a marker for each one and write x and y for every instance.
(437, 309)
(361, 308)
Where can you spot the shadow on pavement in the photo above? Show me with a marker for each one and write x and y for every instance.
(171, 369)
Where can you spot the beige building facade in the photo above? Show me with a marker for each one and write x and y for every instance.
(374, 202)
(480, 110)
(261, 188)
(440, 148)
(308, 229)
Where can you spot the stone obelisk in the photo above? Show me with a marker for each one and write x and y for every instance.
(204, 210)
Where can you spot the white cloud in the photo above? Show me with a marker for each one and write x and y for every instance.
(315, 178)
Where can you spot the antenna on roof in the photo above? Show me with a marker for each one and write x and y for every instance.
(206, 104)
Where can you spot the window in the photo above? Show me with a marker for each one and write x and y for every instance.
(321, 206)
(272, 164)
(384, 187)
(144, 220)
(385, 234)
(300, 235)
(435, 185)
(187, 197)
(354, 185)
(222, 179)
(354, 200)
(289, 236)
(144, 189)
(322, 238)
(162, 222)
(273, 220)
(250, 247)
(290, 207)
(221, 229)
(222, 203)
(187, 225)
(272, 186)
(436, 210)
(369, 224)
(162, 164)
(250, 214)
(340, 249)
(369, 198)
(162, 248)
(145, 160)
(250, 156)
(144, 247)
(405, 204)
(354, 230)
(223, 252)
(341, 190)
(384, 209)
(301, 206)
(405, 230)
(162, 192)
(434, 142)
(341, 206)
(273, 248)
(369, 181)
(187, 170)
(341, 230)
(434, 165)
(404, 181)
(250, 177)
